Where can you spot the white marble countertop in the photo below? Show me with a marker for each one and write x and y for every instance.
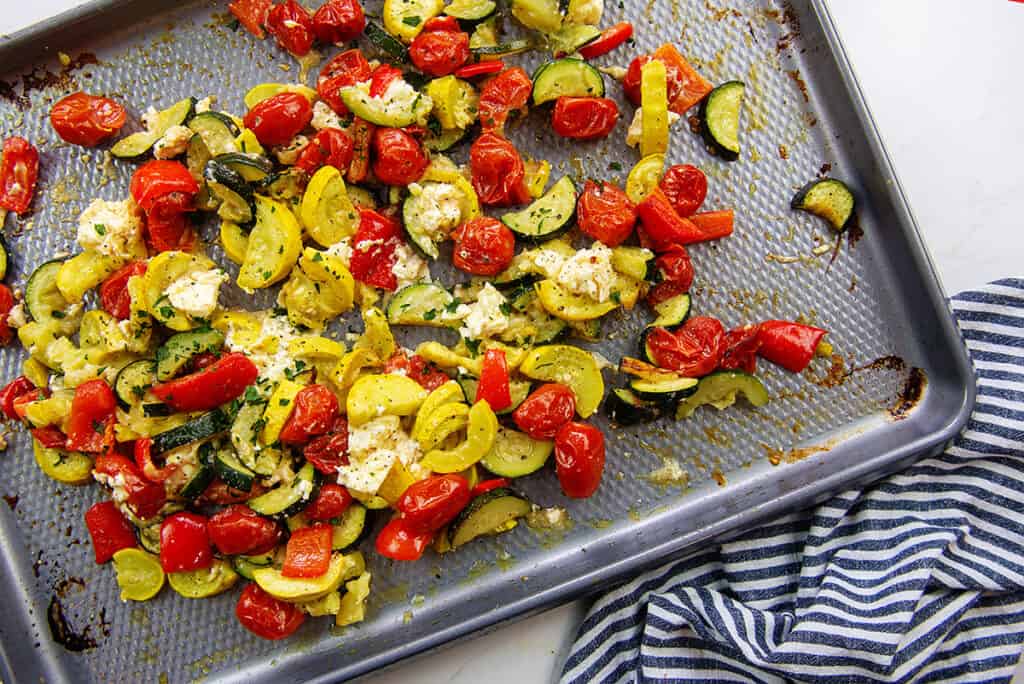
(942, 78)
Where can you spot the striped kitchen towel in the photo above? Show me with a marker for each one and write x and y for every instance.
(918, 578)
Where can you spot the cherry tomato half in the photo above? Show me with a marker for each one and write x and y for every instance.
(278, 119)
(162, 180)
(339, 21)
(329, 451)
(545, 411)
(399, 158)
(741, 347)
(439, 53)
(686, 187)
(579, 459)
(266, 616)
(238, 529)
(11, 392)
(584, 118)
(145, 498)
(87, 120)
(430, 504)
(6, 304)
(401, 541)
(93, 406)
(502, 96)
(484, 246)
(694, 350)
(331, 501)
(417, 368)
(114, 296)
(313, 415)
(329, 147)
(344, 69)
(19, 168)
(498, 171)
(292, 26)
(251, 14)
(605, 213)
(373, 256)
(676, 272)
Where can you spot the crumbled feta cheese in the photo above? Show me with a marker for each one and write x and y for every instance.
(439, 207)
(173, 143)
(342, 249)
(149, 117)
(585, 12)
(112, 228)
(16, 316)
(196, 293)
(589, 272)
(549, 262)
(289, 154)
(398, 100)
(270, 350)
(553, 519)
(636, 127)
(373, 449)
(304, 488)
(485, 317)
(409, 267)
(282, 473)
(324, 116)
(205, 104)
(616, 72)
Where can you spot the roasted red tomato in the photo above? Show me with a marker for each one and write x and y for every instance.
(308, 553)
(329, 147)
(331, 501)
(92, 408)
(238, 529)
(329, 451)
(741, 347)
(6, 304)
(439, 52)
(19, 168)
(313, 415)
(790, 345)
(11, 392)
(374, 253)
(686, 187)
(605, 213)
(430, 504)
(210, 387)
(676, 272)
(694, 350)
(251, 14)
(163, 185)
(292, 26)
(221, 494)
(145, 498)
(345, 69)
(401, 541)
(87, 120)
(498, 171)
(339, 21)
(484, 246)
(114, 297)
(184, 543)
(399, 158)
(278, 119)
(584, 118)
(579, 459)
(427, 374)
(109, 529)
(169, 232)
(503, 96)
(547, 409)
(266, 616)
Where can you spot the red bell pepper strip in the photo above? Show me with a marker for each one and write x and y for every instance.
(400, 541)
(211, 387)
(110, 531)
(308, 553)
(488, 485)
(480, 69)
(10, 392)
(144, 459)
(714, 224)
(184, 543)
(145, 498)
(663, 225)
(50, 437)
(21, 402)
(494, 381)
(609, 39)
(790, 345)
(92, 409)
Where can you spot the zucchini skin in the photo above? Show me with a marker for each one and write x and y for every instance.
(839, 217)
(706, 127)
(624, 408)
(207, 425)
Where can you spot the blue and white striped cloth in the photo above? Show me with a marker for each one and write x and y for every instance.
(918, 578)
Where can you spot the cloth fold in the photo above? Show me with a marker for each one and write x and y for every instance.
(919, 577)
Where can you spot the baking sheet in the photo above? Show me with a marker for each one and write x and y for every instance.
(822, 431)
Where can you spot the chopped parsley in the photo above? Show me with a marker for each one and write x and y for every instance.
(411, 21)
(100, 229)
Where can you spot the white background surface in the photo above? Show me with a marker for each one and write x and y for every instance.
(943, 80)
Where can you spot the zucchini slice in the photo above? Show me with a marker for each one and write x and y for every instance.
(720, 119)
(196, 157)
(515, 454)
(430, 212)
(386, 43)
(156, 410)
(179, 349)
(571, 37)
(720, 389)
(251, 167)
(828, 198)
(205, 426)
(626, 408)
(420, 304)
(569, 77)
(288, 184)
(231, 470)
(672, 313)
(217, 130)
(471, 10)
(139, 143)
(235, 195)
(288, 499)
(349, 527)
(519, 389)
(666, 389)
(445, 140)
(513, 47)
(245, 565)
(486, 514)
(202, 477)
(245, 429)
(44, 301)
(133, 381)
(547, 217)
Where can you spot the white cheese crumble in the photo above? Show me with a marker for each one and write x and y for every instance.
(585, 12)
(324, 116)
(289, 154)
(173, 143)
(205, 104)
(342, 249)
(409, 267)
(373, 449)
(636, 127)
(16, 316)
(112, 228)
(485, 317)
(196, 293)
(439, 207)
(276, 332)
(398, 100)
(589, 272)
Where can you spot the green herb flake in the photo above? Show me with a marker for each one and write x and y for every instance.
(411, 21)
(100, 229)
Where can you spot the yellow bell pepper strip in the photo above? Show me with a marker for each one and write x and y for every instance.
(480, 435)
(654, 103)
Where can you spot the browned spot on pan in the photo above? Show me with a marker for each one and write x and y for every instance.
(910, 396)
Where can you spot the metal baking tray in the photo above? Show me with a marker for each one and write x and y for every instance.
(822, 432)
